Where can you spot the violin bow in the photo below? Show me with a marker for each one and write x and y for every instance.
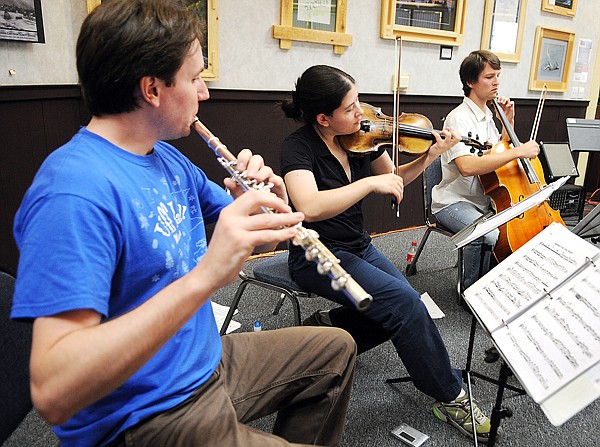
(538, 112)
(395, 136)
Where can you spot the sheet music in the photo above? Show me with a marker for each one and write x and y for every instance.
(478, 229)
(541, 307)
(557, 341)
(528, 275)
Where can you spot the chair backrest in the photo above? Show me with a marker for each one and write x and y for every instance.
(15, 348)
(431, 177)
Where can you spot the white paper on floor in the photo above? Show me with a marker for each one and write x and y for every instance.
(434, 311)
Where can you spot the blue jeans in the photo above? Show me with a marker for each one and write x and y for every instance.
(477, 254)
(396, 313)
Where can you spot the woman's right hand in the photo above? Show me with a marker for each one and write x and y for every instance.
(391, 184)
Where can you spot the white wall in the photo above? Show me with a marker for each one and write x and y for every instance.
(52, 62)
(250, 59)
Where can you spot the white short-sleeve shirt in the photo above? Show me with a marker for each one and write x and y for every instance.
(465, 118)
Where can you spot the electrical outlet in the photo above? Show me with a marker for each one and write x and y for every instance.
(574, 92)
(403, 82)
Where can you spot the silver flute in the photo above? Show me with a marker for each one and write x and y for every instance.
(315, 251)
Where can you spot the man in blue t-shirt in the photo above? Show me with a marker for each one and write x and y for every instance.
(116, 272)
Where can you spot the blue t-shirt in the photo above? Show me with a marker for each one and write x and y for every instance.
(104, 229)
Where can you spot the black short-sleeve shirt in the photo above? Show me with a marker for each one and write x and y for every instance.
(304, 150)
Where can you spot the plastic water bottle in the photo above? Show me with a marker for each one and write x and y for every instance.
(257, 326)
(410, 256)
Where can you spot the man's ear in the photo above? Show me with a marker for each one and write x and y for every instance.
(150, 87)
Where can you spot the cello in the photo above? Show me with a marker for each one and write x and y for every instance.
(512, 183)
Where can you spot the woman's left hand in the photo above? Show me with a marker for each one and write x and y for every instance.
(442, 145)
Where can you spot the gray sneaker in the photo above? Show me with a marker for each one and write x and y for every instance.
(458, 414)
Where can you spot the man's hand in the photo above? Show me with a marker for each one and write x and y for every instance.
(241, 227)
(257, 170)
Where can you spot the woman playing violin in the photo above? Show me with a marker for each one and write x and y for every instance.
(459, 198)
(328, 185)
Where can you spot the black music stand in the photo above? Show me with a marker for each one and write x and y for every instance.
(589, 226)
(498, 412)
(584, 134)
(462, 238)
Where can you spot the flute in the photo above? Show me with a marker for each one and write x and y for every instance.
(315, 251)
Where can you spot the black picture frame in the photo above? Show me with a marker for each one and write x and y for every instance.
(21, 20)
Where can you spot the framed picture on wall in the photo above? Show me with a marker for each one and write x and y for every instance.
(22, 20)
(208, 12)
(430, 21)
(503, 26)
(551, 60)
(322, 21)
(562, 7)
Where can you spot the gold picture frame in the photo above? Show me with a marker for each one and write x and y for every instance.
(562, 7)
(503, 27)
(426, 21)
(91, 4)
(309, 21)
(208, 12)
(551, 62)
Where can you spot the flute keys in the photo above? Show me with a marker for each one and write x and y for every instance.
(339, 283)
(324, 268)
(311, 254)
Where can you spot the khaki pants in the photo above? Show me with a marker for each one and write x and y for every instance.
(302, 373)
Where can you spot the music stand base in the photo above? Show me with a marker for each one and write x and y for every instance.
(498, 413)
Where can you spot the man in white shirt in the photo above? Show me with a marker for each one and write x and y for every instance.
(459, 199)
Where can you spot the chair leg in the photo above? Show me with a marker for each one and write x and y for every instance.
(234, 305)
(279, 304)
(412, 269)
(295, 306)
(461, 274)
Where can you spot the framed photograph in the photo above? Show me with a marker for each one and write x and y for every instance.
(430, 21)
(208, 12)
(321, 21)
(551, 60)
(22, 20)
(503, 26)
(562, 7)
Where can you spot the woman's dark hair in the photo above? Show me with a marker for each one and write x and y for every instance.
(320, 89)
(122, 41)
(472, 66)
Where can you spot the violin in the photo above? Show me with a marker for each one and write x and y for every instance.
(414, 133)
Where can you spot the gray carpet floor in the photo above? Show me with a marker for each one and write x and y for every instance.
(376, 407)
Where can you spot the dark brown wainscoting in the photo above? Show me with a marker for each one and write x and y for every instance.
(35, 120)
